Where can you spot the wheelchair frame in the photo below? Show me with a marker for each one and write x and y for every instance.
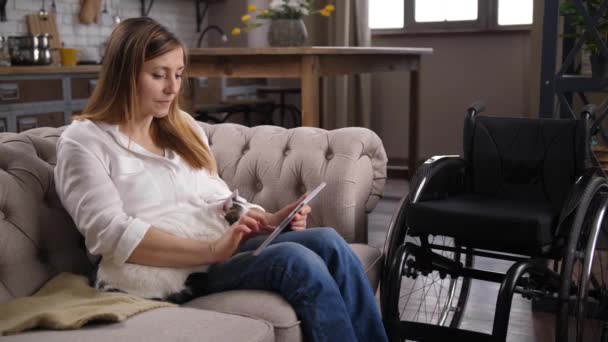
(529, 276)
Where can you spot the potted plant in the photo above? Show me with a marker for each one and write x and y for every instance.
(286, 25)
(599, 62)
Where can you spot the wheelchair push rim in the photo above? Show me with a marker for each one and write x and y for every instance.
(583, 312)
(592, 296)
(432, 298)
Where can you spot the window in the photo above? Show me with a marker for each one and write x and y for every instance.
(387, 14)
(515, 12)
(442, 15)
(428, 11)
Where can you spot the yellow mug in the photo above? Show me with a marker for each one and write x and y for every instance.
(69, 56)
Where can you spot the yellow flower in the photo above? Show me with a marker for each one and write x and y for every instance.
(330, 8)
(245, 18)
(324, 12)
(251, 8)
(265, 12)
(236, 31)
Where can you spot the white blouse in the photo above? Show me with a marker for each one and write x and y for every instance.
(115, 190)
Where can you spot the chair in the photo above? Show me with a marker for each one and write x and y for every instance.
(247, 96)
(234, 96)
(527, 191)
(283, 106)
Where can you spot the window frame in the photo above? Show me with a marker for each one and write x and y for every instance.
(487, 20)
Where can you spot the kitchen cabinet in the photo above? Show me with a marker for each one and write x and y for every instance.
(43, 96)
(25, 122)
(29, 90)
(82, 87)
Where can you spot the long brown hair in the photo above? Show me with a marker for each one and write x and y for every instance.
(114, 99)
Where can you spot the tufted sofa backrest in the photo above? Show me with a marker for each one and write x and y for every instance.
(273, 166)
(269, 165)
(37, 237)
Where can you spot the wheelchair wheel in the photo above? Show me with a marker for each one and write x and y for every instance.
(431, 298)
(396, 232)
(394, 238)
(583, 314)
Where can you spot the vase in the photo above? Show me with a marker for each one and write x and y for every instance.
(287, 32)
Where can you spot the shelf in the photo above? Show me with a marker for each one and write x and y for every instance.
(62, 94)
(601, 154)
(48, 70)
(564, 84)
(577, 83)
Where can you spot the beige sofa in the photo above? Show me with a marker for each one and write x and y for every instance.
(269, 165)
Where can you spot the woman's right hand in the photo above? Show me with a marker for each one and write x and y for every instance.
(248, 224)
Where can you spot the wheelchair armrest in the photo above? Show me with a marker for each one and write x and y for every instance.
(438, 177)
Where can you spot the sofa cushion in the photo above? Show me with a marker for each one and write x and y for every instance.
(274, 308)
(265, 305)
(372, 259)
(166, 324)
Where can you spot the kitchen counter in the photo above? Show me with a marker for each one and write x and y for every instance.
(34, 96)
(48, 69)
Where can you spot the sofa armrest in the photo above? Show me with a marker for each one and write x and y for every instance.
(273, 166)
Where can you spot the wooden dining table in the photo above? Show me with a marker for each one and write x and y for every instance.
(309, 64)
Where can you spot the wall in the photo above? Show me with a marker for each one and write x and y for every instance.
(493, 66)
(227, 14)
(178, 15)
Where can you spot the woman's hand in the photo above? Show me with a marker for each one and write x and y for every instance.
(298, 222)
(248, 224)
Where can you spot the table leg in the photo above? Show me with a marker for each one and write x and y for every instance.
(413, 124)
(310, 91)
(282, 102)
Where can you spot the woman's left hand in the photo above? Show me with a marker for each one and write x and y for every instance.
(297, 223)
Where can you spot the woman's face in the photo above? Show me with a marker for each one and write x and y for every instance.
(159, 82)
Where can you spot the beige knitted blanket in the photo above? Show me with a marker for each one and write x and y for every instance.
(68, 302)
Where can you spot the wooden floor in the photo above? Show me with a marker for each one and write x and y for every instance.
(524, 325)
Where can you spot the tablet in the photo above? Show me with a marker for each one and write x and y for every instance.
(288, 219)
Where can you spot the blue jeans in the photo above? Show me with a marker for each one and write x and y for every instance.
(318, 274)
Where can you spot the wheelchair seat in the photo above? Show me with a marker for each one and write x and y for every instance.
(515, 178)
(491, 223)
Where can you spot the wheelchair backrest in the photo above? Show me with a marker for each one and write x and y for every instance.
(523, 158)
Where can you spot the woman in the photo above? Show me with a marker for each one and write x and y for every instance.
(134, 169)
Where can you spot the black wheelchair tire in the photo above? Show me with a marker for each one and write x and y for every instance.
(461, 290)
(389, 293)
(394, 238)
(577, 245)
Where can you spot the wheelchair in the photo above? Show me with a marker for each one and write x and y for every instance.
(527, 191)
